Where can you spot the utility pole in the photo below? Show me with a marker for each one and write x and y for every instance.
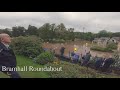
(83, 29)
(83, 32)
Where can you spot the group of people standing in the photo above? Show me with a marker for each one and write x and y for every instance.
(76, 57)
(101, 63)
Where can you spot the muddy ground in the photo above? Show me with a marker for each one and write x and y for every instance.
(69, 47)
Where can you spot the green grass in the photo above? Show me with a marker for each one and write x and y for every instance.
(24, 61)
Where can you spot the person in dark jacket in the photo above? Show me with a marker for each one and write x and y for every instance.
(75, 58)
(98, 63)
(86, 59)
(62, 50)
(7, 56)
(107, 63)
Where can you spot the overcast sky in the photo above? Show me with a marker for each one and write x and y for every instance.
(92, 21)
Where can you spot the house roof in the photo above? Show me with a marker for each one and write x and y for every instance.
(116, 38)
(106, 39)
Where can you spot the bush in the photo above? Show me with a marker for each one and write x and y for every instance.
(92, 61)
(108, 48)
(70, 70)
(116, 65)
(112, 46)
(57, 41)
(98, 48)
(44, 58)
(116, 57)
(29, 46)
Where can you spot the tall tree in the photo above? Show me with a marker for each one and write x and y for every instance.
(103, 33)
(18, 31)
(71, 35)
(32, 30)
(6, 30)
(61, 31)
(46, 32)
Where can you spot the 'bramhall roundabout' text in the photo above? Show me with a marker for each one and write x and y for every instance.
(31, 68)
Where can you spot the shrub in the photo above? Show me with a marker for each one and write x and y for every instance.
(29, 46)
(116, 65)
(92, 61)
(108, 48)
(98, 48)
(57, 41)
(70, 70)
(44, 58)
(112, 46)
(116, 57)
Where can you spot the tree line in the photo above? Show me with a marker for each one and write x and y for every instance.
(52, 31)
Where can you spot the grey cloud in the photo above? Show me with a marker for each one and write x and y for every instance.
(92, 21)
